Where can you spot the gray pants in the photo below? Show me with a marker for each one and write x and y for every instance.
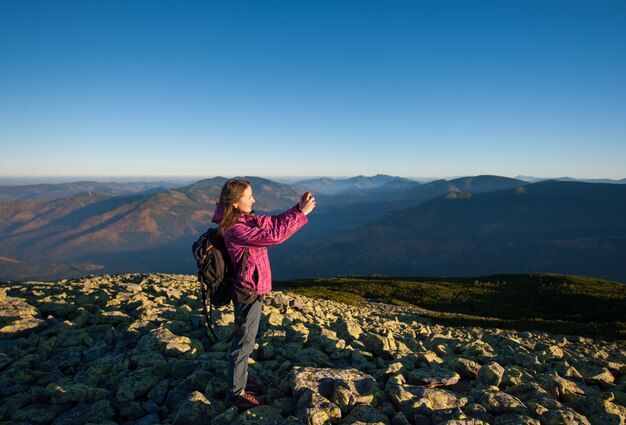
(242, 345)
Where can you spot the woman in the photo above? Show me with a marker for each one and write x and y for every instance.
(247, 237)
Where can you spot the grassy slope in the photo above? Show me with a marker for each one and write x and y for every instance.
(547, 302)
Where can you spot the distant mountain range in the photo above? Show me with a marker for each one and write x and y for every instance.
(48, 192)
(547, 226)
(364, 225)
(570, 179)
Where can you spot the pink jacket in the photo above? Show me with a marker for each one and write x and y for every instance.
(248, 239)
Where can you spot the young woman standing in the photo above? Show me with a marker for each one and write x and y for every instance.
(247, 237)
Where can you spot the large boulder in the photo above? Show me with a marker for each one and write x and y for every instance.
(345, 387)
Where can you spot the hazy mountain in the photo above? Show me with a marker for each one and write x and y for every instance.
(50, 192)
(578, 228)
(329, 186)
(570, 179)
(132, 232)
(353, 209)
(466, 226)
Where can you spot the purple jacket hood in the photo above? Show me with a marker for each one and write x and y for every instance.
(218, 214)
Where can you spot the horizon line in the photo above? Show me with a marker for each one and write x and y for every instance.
(45, 179)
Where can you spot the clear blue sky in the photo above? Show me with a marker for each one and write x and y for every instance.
(310, 88)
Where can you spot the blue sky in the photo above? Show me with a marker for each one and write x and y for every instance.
(311, 88)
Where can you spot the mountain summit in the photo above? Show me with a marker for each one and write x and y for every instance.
(133, 348)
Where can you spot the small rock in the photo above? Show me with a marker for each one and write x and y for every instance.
(515, 419)
(195, 410)
(433, 377)
(366, 414)
(498, 402)
(563, 416)
(83, 413)
(261, 415)
(314, 409)
(491, 374)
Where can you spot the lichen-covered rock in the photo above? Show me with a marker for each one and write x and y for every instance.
(491, 374)
(348, 393)
(411, 399)
(478, 413)
(433, 377)
(100, 411)
(466, 368)
(169, 344)
(195, 410)
(71, 392)
(498, 402)
(345, 387)
(136, 384)
(383, 346)
(37, 414)
(314, 409)
(366, 414)
(261, 415)
(515, 419)
(599, 411)
(349, 329)
(133, 348)
(429, 359)
(227, 417)
(563, 416)
(449, 417)
(594, 374)
(18, 318)
(311, 357)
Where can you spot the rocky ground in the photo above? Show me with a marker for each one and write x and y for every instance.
(133, 349)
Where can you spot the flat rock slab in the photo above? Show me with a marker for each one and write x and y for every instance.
(432, 378)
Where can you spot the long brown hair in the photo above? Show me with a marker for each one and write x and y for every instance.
(231, 193)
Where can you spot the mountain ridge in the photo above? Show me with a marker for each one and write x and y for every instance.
(153, 232)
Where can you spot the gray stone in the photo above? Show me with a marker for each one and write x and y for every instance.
(466, 368)
(195, 410)
(37, 414)
(498, 402)
(478, 412)
(412, 399)
(380, 345)
(448, 417)
(348, 329)
(135, 385)
(599, 411)
(433, 377)
(322, 380)
(151, 419)
(261, 415)
(563, 416)
(515, 419)
(366, 414)
(314, 409)
(83, 413)
(226, 418)
(169, 344)
(491, 374)
(594, 374)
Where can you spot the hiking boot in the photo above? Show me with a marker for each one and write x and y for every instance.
(254, 386)
(245, 401)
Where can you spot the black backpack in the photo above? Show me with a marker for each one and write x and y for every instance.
(215, 272)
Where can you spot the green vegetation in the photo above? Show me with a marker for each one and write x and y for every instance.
(546, 302)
